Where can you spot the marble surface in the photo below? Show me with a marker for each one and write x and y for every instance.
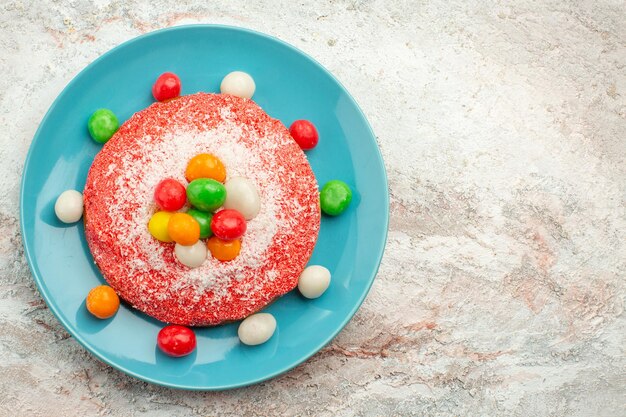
(503, 128)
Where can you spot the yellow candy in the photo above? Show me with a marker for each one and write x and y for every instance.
(158, 225)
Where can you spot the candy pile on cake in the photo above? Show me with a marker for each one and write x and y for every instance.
(238, 198)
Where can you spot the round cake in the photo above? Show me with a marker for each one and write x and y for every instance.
(157, 143)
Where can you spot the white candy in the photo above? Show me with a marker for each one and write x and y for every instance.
(69, 206)
(192, 256)
(313, 281)
(242, 195)
(239, 84)
(257, 329)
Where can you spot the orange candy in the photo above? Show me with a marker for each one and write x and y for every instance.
(183, 229)
(102, 302)
(224, 250)
(205, 165)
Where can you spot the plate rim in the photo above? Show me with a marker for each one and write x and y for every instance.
(41, 287)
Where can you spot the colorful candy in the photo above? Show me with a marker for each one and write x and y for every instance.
(206, 194)
(257, 329)
(238, 83)
(157, 226)
(102, 125)
(192, 256)
(167, 86)
(242, 195)
(228, 224)
(183, 229)
(314, 281)
(102, 302)
(204, 221)
(175, 340)
(205, 165)
(335, 197)
(304, 133)
(170, 195)
(224, 250)
(69, 206)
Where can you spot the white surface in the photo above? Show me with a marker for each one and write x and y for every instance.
(501, 292)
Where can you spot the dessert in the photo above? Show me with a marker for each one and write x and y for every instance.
(201, 210)
(304, 133)
(314, 281)
(251, 262)
(68, 206)
(335, 197)
(167, 86)
(176, 341)
(256, 329)
(102, 301)
(102, 125)
(239, 84)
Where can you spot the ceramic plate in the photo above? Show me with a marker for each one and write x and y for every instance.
(290, 86)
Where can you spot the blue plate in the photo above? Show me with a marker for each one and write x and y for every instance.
(290, 86)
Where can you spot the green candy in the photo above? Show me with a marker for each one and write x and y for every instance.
(335, 197)
(204, 220)
(102, 125)
(206, 194)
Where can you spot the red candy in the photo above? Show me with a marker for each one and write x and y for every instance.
(176, 341)
(167, 86)
(170, 195)
(228, 224)
(304, 133)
